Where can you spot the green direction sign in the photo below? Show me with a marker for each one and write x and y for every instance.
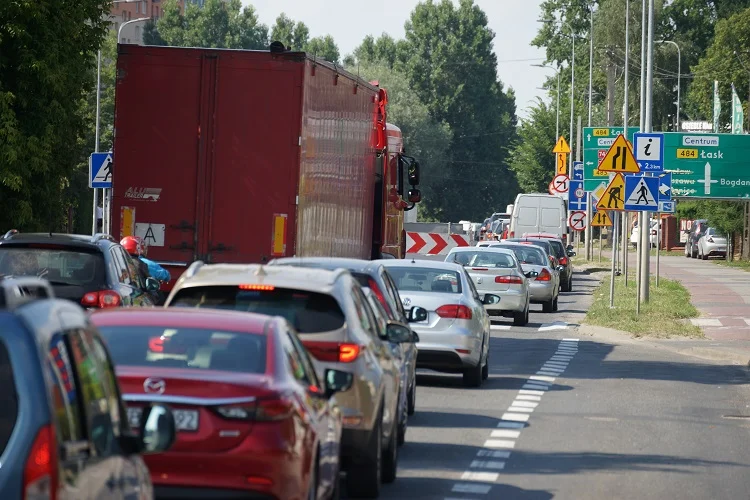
(708, 165)
(596, 143)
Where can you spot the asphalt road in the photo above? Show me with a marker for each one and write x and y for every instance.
(564, 416)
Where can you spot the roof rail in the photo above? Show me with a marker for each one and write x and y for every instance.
(101, 236)
(15, 292)
(193, 268)
(10, 233)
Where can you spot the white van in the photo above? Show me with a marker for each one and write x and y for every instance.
(539, 213)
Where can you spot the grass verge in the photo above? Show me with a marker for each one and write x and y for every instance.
(665, 315)
(737, 264)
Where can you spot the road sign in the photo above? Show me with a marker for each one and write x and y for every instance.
(666, 207)
(641, 193)
(576, 196)
(560, 183)
(708, 165)
(601, 219)
(613, 197)
(665, 187)
(561, 146)
(649, 152)
(596, 143)
(577, 171)
(598, 191)
(561, 164)
(577, 220)
(100, 170)
(619, 158)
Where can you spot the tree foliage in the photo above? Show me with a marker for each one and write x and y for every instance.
(532, 159)
(323, 47)
(47, 52)
(291, 34)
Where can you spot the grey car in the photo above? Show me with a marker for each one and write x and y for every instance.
(337, 326)
(543, 280)
(449, 316)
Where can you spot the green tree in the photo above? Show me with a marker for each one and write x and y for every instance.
(151, 34)
(323, 47)
(532, 159)
(726, 216)
(47, 51)
(453, 69)
(294, 35)
(383, 50)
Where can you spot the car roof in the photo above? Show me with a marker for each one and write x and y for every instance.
(518, 244)
(182, 317)
(330, 263)
(73, 240)
(299, 278)
(477, 249)
(430, 264)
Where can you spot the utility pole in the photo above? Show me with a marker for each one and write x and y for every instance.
(625, 120)
(642, 119)
(591, 62)
(610, 92)
(645, 229)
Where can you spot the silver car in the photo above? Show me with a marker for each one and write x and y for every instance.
(544, 280)
(711, 243)
(496, 270)
(448, 314)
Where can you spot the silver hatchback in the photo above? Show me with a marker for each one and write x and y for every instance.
(448, 315)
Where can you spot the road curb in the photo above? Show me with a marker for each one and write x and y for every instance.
(712, 353)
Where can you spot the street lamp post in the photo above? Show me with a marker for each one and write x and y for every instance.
(591, 61)
(119, 31)
(679, 74)
(557, 108)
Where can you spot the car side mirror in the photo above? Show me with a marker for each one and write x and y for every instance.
(569, 248)
(490, 299)
(414, 196)
(571, 253)
(152, 285)
(337, 381)
(414, 337)
(561, 268)
(157, 429)
(417, 314)
(532, 274)
(397, 333)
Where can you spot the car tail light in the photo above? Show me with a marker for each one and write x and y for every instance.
(480, 268)
(277, 408)
(512, 234)
(40, 471)
(509, 280)
(372, 285)
(334, 352)
(544, 276)
(238, 412)
(102, 299)
(563, 261)
(653, 232)
(258, 288)
(456, 311)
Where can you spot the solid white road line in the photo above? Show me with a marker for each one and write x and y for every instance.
(493, 454)
(481, 489)
(505, 434)
(557, 325)
(487, 464)
(528, 397)
(516, 417)
(499, 443)
(500, 327)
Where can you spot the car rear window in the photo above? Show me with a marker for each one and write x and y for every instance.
(56, 263)
(309, 312)
(8, 398)
(186, 348)
(558, 248)
(425, 279)
(483, 259)
(528, 254)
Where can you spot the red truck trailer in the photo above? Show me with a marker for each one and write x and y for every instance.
(244, 156)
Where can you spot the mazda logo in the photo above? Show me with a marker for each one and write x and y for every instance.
(154, 386)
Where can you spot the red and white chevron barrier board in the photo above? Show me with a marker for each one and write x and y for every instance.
(434, 243)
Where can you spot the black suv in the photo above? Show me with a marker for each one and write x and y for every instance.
(93, 271)
(64, 431)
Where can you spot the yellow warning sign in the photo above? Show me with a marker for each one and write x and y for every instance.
(614, 195)
(562, 164)
(561, 146)
(620, 158)
(601, 218)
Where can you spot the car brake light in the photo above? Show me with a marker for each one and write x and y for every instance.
(456, 311)
(372, 285)
(544, 276)
(563, 261)
(480, 268)
(40, 471)
(512, 234)
(509, 280)
(333, 352)
(277, 408)
(102, 299)
(257, 288)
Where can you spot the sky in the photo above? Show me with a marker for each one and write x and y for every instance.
(349, 21)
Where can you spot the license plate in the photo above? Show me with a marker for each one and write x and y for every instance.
(185, 420)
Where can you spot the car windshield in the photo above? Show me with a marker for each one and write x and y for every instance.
(60, 265)
(425, 279)
(309, 312)
(483, 259)
(187, 348)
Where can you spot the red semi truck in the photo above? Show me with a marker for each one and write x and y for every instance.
(244, 156)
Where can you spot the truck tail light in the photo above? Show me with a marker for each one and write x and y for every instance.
(456, 311)
(544, 276)
(334, 352)
(102, 299)
(40, 472)
(509, 280)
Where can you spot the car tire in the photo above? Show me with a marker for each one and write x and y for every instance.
(570, 284)
(687, 251)
(473, 375)
(564, 286)
(411, 402)
(704, 256)
(554, 305)
(548, 306)
(402, 425)
(522, 318)
(390, 457)
(486, 367)
(363, 480)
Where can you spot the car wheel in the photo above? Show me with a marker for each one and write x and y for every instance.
(390, 457)
(522, 318)
(704, 256)
(570, 284)
(363, 479)
(412, 400)
(473, 375)
(548, 306)
(687, 251)
(554, 305)
(402, 424)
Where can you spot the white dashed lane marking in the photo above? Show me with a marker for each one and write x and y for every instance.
(504, 438)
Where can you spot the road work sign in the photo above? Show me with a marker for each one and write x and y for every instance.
(613, 197)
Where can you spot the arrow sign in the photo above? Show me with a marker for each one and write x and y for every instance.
(440, 244)
(577, 220)
(419, 243)
(560, 183)
(707, 180)
(665, 187)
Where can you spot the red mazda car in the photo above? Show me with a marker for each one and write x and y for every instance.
(252, 417)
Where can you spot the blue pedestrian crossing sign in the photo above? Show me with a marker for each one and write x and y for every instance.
(100, 170)
(641, 193)
(576, 196)
(665, 187)
(577, 171)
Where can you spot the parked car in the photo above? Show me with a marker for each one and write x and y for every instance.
(496, 270)
(64, 432)
(93, 271)
(711, 244)
(448, 315)
(374, 276)
(562, 254)
(335, 323)
(652, 234)
(544, 282)
(696, 231)
(244, 392)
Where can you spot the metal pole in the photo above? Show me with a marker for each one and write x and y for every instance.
(645, 249)
(600, 245)
(587, 230)
(626, 120)
(591, 62)
(644, 18)
(557, 121)
(658, 245)
(615, 222)
(625, 246)
(96, 127)
(572, 87)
